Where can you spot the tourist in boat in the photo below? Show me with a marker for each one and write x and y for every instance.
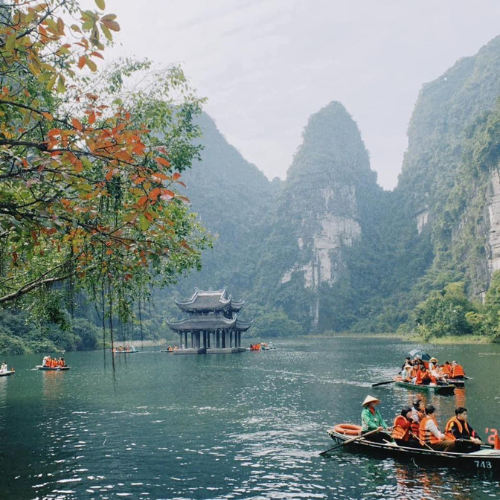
(3, 368)
(436, 373)
(430, 435)
(457, 428)
(406, 374)
(417, 414)
(457, 371)
(432, 363)
(447, 369)
(45, 361)
(61, 363)
(371, 420)
(402, 427)
(423, 377)
(407, 362)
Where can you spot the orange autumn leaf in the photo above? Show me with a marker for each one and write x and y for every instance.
(77, 124)
(162, 161)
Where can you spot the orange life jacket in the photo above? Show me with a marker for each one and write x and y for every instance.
(401, 428)
(458, 371)
(454, 420)
(424, 435)
(447, 370)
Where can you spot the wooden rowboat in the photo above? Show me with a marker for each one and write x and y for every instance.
(457, 382)
(437, 388)
(52, 369)
(486, 459)
(7, 373)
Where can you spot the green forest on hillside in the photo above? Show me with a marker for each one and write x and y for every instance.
(105, 221)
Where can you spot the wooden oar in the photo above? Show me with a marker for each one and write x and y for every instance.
(348, 441)
(384, 383)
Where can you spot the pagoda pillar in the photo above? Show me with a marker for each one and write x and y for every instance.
(231, 338)
(185, 340)
(204, 339)
(217, 342)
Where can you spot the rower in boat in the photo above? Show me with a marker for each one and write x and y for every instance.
(371, 420)
(459, 430)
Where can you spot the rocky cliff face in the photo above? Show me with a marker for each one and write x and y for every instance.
(322, 200)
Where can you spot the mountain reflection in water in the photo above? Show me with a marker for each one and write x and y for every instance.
(248, 425)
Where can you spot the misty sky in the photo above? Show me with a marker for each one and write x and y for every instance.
(267, 65)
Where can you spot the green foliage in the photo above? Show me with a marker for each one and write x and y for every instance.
(275, 324)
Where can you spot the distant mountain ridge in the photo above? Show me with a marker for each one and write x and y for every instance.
(328, 247)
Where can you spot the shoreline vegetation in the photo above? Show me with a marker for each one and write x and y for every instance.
(414, 338)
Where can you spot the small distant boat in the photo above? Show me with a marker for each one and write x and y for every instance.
(132, 350)
(267, 347)
(52, 368)
(7, 373)
(437, 388)
(167, 350)
(255, 347)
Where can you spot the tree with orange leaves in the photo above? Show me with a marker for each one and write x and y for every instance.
(88, 171)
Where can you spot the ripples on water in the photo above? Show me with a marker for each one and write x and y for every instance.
(217, 427)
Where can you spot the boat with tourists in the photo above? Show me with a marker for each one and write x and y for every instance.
(125, 350)
(485, 459)
(52, 368)
(4, 370)
(438, 388)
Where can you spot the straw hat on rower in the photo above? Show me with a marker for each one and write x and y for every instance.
(433, 360)
(370, 399)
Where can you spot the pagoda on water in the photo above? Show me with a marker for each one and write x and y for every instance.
(212, 323)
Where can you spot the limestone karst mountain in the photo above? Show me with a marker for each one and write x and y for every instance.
(328, 246)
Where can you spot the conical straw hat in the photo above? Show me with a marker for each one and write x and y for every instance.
(370, 399)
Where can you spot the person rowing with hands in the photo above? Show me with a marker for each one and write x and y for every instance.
(371, 420)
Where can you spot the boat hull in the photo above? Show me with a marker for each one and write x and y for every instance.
(485, 460)
(438, 389)
(55, 369)
(6, 374)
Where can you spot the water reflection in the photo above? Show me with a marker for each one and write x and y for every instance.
(219, 427)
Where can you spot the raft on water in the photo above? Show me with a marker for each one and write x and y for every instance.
(485, 459)
(7, 373)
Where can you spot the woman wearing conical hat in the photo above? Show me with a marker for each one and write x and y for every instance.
(371, 420)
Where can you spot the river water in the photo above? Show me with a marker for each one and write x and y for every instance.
(247, 425)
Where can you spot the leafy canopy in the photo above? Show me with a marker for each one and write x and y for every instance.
(88, 171)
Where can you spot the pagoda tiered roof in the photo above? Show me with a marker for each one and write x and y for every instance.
(211, 301)
(203, 323)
